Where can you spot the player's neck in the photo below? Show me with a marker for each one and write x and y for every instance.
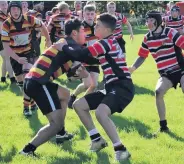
(89, 23)
(18, 20)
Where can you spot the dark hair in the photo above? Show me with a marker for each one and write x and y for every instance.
(54, 9)
(89, 8)
(108, 20)
(73, 24)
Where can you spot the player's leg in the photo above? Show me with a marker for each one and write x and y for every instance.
(47, 98)
(64, 96)
(82, 108)
(115, 101)
(163, 85)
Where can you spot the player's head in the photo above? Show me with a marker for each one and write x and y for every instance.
(175, 11)
(48, 14)
(89, 14)
(15, 9)
(111, 7)
(153, 20)
(106, 24)
(55, 10)
(75, 29)
(78, 5)
(63, 8)
(38, 6)
(24, 5)
(4, 6)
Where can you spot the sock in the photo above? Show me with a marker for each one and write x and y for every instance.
(94, 135)
(26, 102)
(163, 124)
(62, 132)
(118, 146)
(32, 103)
(29, 147)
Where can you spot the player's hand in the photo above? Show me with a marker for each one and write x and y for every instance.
(82, 72)
(48, 43)
(22, 60)
(131, 37)
(59, 45)
(131, 69)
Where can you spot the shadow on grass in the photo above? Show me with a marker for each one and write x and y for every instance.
(15, 89)
(82, 133)
(8, 157)
(80, 157)
(3, 86)
(130, 125)
(72, 85)
(35, 123)
(175, 136)
(141, 90)
(102, 158)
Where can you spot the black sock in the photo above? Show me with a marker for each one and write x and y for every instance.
(120, 148)
(95, 137)
(163, 124)
(62, 132)
(29, 147)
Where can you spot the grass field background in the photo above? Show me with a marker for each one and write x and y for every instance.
(135, 124)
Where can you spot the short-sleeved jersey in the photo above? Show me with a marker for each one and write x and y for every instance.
(177, 23)
(57, 22)
(165, 49)
(111, 58)
(121, 19)
(19, 34)
(52, 64)
(90, 36)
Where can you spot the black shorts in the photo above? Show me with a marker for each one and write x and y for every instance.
(122, 43)
(45, 96)
(118, 95)
(174, 77)
(36, 47)
(93, 69)
(17, 67)
(1, 45)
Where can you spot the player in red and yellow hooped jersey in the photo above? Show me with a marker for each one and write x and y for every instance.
(6, 66)
(56, 24)
(52, 98)
(121, 19)
(175, 20)
(90, 83)
(16, 38)
(164, 44)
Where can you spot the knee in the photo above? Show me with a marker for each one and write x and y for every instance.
(77, 106)
(159, 93)
(57, 125)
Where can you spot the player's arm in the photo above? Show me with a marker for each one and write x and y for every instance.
(85, 55)
(125, 21)
(39, 24)
(143, 54)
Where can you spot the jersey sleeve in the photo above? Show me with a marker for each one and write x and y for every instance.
(101, 47)
(144, 51)
(124, 19)
(176, 37)
(5, 37)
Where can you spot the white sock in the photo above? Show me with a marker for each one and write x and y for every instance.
(117, 143)
(93, 132)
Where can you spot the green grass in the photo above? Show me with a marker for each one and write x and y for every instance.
(135, 125)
